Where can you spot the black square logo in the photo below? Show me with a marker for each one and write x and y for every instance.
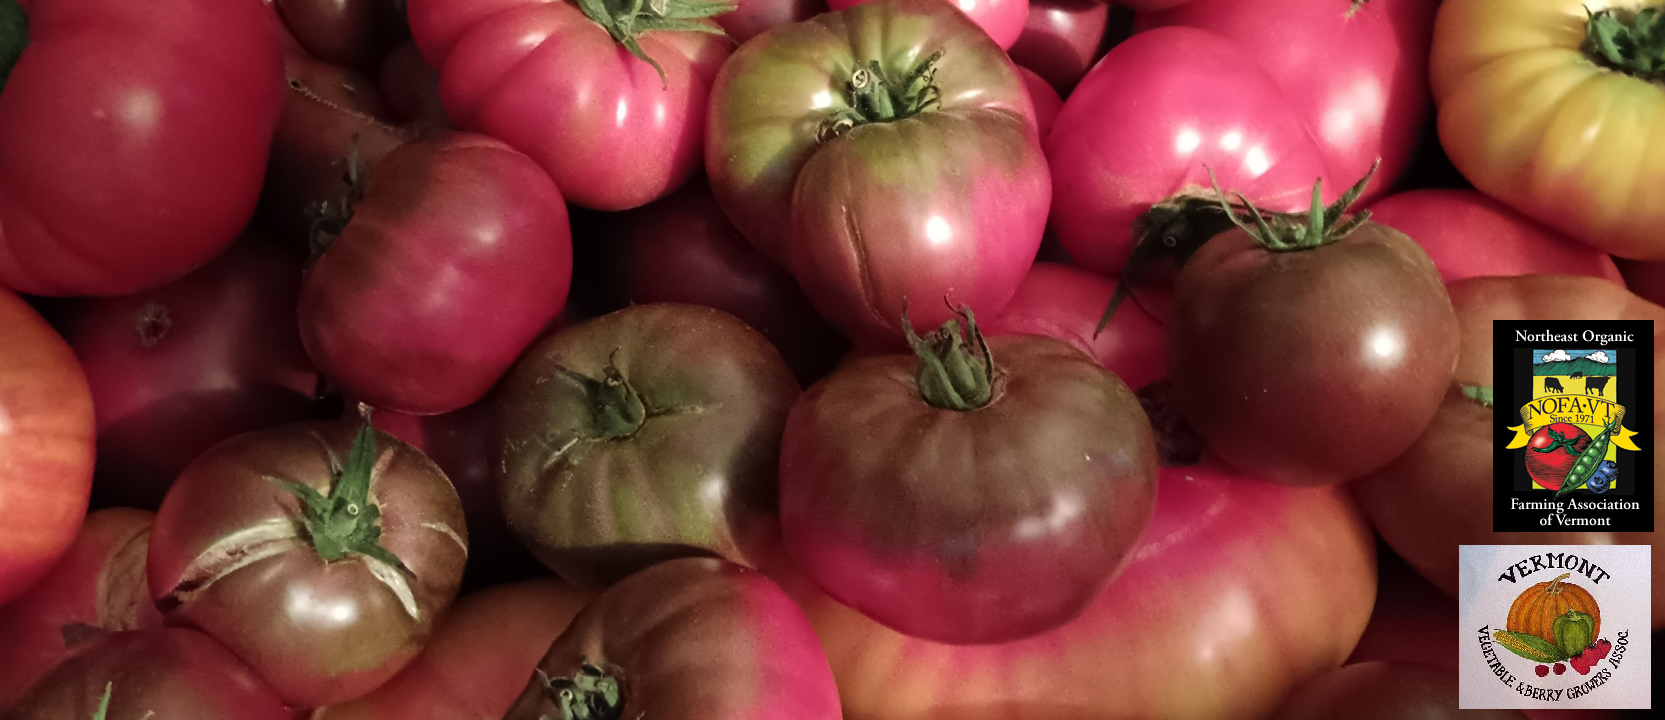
(1574, 425)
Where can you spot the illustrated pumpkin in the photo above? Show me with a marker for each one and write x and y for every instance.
(1534, 612)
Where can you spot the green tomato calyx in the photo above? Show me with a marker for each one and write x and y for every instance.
(1291, 232)
(1479, 393)
(1630, 41)
(873, 96)
(616, 409)
(345, 521)
(589, 694)
(14, 36)
(952, 374)
(330, 217)
(628, 20)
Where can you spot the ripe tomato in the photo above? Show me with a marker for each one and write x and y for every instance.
(613, 130)
(319, 556)
(1552, 452)
(1002, 19)
(1467, 234)
(46, 446)
(1384, 690)
(454, 261)
(1064, 302)
(1647, 280)
(1061, 39)
(692, 638)
(753, 17)
(479, 659)
(1558, 131)
(133, 140)
(350, 33)
(1045, 99)
(941, 190)
(410, 86)
(1412, 621)
(98, 586)
(1238, 591)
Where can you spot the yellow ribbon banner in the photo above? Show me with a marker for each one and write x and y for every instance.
(1572, 410)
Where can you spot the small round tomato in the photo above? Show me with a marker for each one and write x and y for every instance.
(1552, 451)
(1384, 690)
(1061, 39)
(1467, 234)
(1002, 19)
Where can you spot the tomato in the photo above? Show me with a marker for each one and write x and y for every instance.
(1304, 326)
(1269, 94)
(410, 86)
(1063, 302)
(1438, 493)
(171, 673)
(478, 661)
(1647, 280)
(133, 139)
(1466, 234)
(98, 586)
(615, 131)
(645, 434)
(1061, 39)
(689, 638)
(1238, 591)
(455, 259)
(350, 33)
(683, 249)
(1412, 621)
(319, 556)
(46, 442)
(1045, 99)
(753, 17)
(964, 501)
(884, 200)
(1555, 447)
(1002, 19)
(1558, 132)
(177, 369)
(1384, 690)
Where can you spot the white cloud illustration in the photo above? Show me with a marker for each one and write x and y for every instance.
(1558, 356)
(1599, 356)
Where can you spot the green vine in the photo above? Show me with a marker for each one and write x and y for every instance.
(628, 20)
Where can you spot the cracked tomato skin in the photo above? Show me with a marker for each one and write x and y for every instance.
(951, 201)
(133, 140)
(318, 632)
(1467, 234)
(543, 77)
(1002, 19)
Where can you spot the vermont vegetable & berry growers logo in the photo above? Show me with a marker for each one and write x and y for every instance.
(1574, 421)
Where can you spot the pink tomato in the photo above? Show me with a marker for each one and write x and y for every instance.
(1061, 39)
(1046, 100)
(1001, 19)
(1065, 303)
(752, 17)
(1468, 234)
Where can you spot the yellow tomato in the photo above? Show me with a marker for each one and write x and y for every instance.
(1533, 118)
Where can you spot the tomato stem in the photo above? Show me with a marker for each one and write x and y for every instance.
(1630, 41)
(14, 36)
(628, 20)
(1177, 443)
(589, 694)
(952, 375)
(345, 520)
(872, 96)
(616, 409)
(1291, 232)
(1479, 393)
(1173, 229)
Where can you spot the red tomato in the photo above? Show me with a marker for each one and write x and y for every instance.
(1237, 592)
(478, 661)
(98, 586)
(1065, 303)
(1046, 100)
(1413, 621)
(1552, 452)
(46, 442)
(1468, 234)
(1001, 19)
(1061, 39)
(553, 83)
(133, 140)
(1384, 690)
(351, 33)
(411, 88)
(1645, 279)
(175, 370)
(455, 260)
(753, 17)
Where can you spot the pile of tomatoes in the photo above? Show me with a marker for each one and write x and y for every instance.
(879, 359)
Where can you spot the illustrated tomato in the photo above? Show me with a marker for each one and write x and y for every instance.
(642, 435)
(1226, 84)
(478, 661)
(1467, 234)
(612, 104)
(688, 638)
(453, 262)
(890, 190)
(1238, 591)
(410, 86)
(1302, 325)
(683, 249)
(1438, 493)
(319, 555)
(1002, 19)
(133, 138)
(46, 442)
(98, 586)
(1552, 452)
(175, 370)
(171, 673)
(1045, 99)
(1536, 113)
(1061, 39)
(983, 491)
(349, 33)
(751, 18)
(1384, 690)
(1065, 303)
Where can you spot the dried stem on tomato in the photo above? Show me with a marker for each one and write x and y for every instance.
(626, 20)
(952, 374)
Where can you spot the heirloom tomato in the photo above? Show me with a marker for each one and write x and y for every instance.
(410, 86)
(1384, 690)
(319, 555)
(1438, 493)
(46, 446)
(1061, 39)
(1412, 620)
(983, 491)
(751, 18)
(688, 639)
(1002, 19)
(133, 138)
(350, 33)
(1466, 234)
(1065, 302)
(1645, 279)
(883, 154)
(1549, 106)
(1045, 99)
(609, 96)
(457, 256)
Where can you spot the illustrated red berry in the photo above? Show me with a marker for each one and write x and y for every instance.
(1560, 669)
(1543, 670)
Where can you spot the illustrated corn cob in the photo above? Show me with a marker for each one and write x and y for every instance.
(1528, 646)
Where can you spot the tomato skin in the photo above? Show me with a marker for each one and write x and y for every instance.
(1065, 302)
(410, 86)
(101, 197)
(1532, 121)
(1467, 234)
(1061, 39)
(458, 256)
(1384, 690)
(47, 443)
(98, 585)
(350, 33)
(1046, 100)
(1002, 19)
(754, 17)
(695, 638)
(541, 76)
(1251, 586)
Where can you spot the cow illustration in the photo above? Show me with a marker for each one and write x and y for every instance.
(1552, 385)
(1577, 373)
(1598, 383)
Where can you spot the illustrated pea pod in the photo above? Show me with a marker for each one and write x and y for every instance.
(1574, 631)
(1590, 460)
(1531, 647)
